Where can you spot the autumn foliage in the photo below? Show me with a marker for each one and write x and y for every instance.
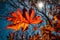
(21, 19)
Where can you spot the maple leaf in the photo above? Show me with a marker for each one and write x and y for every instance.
(20, 20)
(48, 27)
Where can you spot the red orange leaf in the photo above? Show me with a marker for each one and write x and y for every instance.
(19, 20)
